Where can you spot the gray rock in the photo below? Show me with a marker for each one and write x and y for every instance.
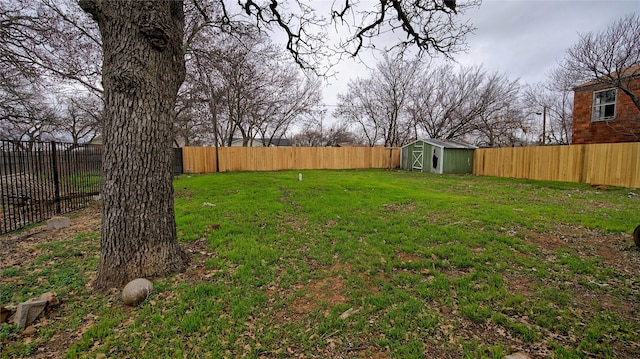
(136, 291)
(518, 355)
(27, 312)
(58, 222)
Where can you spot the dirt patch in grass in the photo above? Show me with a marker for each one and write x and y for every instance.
(519, 284)
(399, 208)
(331, 223)
(453, 272)
(405, 257)
(286, 198)
(294, 226)
(326, 291)
(594, 297)
(603, 302)
(489, 333)
(617, 250)
(21, 248)
(545, 241)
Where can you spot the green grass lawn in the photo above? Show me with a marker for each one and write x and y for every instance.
(359, 264)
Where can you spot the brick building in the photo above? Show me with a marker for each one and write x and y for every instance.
(603, 113)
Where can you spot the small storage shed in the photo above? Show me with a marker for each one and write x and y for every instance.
(437, 156)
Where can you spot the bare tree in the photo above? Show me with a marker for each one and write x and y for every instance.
(444, 105)
(430, 102)
(244, 84)
(467, 104)
(25, 113)
(314, 135)
(430, 26)
(50, 38)
(498, 120)
(292, 98)
(552, 103)
(309, 138)
(19, 27)
(340, 134)
(197, 98)
(378, 105)
(355, 108)
(46, 46)
(80, 118)
(610, 57)
(250, 89)
(72, 50)
(193, 124)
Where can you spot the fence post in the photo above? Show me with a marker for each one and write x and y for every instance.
(178, 161)
(56, 177)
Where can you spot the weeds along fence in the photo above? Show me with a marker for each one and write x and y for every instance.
(41, 179)
(615, 164)
(224, 159)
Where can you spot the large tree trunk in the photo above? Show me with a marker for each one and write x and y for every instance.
(142, 71)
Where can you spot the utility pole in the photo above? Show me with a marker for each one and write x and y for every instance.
(544, 124)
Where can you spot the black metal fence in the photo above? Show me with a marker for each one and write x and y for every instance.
(41, 179)
(177, 161)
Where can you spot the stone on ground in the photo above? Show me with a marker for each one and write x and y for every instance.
(58, 222)
(518, 355)
(27, 312)
(136, 291)
(51, 298)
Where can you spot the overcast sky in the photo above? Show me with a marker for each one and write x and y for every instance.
(521, 38)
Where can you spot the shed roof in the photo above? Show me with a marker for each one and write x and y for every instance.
(445, 144)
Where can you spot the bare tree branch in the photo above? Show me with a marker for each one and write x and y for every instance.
(609, 57)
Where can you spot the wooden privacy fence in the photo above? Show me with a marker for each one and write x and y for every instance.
(616, 164)
(203, 159)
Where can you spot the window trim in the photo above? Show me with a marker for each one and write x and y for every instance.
(596, 107)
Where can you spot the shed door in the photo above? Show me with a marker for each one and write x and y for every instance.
(417, 156)
(436, 159)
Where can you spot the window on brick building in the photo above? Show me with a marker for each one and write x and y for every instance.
(604, 105)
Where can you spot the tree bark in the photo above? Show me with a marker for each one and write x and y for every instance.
(142, 71)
